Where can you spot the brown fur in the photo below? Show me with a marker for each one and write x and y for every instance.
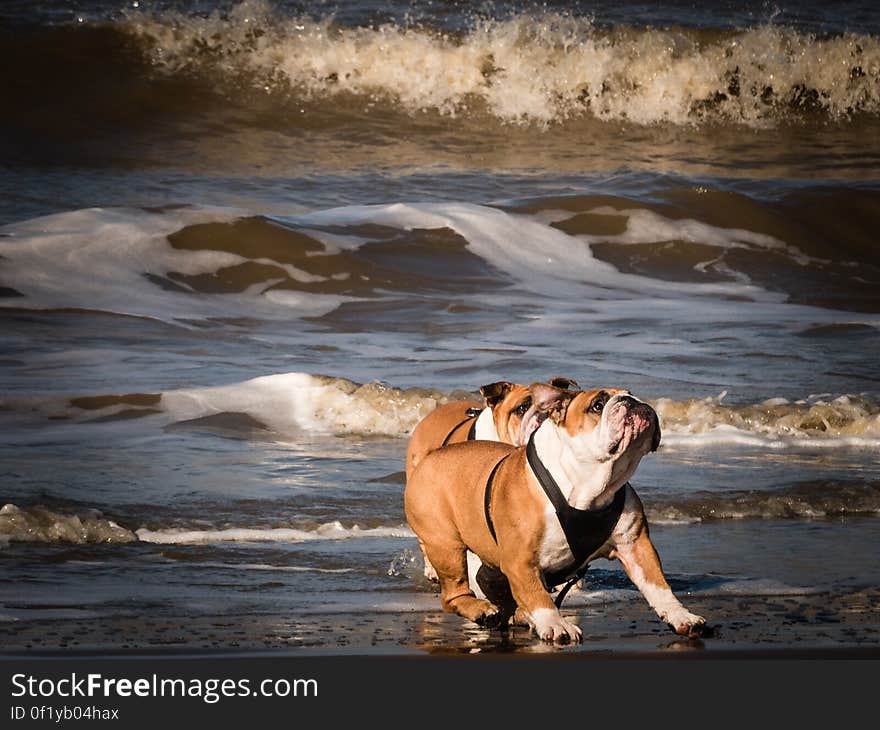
(444, 506)
(504, 398)
(433, 428)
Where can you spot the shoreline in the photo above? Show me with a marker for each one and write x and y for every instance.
(822, 625)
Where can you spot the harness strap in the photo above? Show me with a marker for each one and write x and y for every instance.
(545, 479)
(472, 414)
(585, 530)
(563, 592)
(487, 497)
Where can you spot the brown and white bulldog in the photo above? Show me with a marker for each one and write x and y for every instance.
(508, 505)
(507, 415)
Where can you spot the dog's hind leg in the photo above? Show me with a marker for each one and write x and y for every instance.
(430, 573)
(456, 596)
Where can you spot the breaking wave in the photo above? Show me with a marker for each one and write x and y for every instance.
(846, 420)
(42, 525)
(542, 68)
(280, 406)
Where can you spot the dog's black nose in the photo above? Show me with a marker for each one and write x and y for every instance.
(634, 404)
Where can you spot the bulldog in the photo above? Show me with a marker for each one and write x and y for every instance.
(538, 514)
(507, 415)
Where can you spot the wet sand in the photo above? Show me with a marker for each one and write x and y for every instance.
(818, 625)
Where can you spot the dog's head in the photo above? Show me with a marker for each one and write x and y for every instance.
(600, 426)
(513, 408)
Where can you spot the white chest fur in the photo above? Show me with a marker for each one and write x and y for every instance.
(485, 428)
(554, 553)
(582, 484)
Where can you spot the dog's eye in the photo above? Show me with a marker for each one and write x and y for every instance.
(598, 404)
(523, 407)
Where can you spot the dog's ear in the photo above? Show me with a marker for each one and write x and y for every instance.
(564, 383)
(494, 393)
(655, 441)
(551, 401)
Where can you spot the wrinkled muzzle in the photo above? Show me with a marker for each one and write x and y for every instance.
(630, 421)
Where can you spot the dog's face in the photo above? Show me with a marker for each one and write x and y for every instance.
(603, 426)
(513, 411)
(513, 408)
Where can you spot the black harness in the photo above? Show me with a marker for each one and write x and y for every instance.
(472, 415)
(585, 530)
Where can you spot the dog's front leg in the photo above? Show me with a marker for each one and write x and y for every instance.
(532, 598)
(642, 565)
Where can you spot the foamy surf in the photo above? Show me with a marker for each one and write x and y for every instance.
(328, 531)
(155, 263)
(264, 567)
(39, 524)
(819, 421)
(538, 256)
(193, 265)
(287, 405)
(532, 68)
(122, 261)
(290, 402)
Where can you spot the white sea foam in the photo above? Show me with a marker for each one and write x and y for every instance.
(532, 68)
(328, 531)
(100, 259)
(646, 226)
(116, 260)
(288, 402)
(537, 255)
(847, 421)
(292, 401)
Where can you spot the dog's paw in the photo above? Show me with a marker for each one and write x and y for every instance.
(685, 623)
(550, 626)
(520, 618)
(491, 618)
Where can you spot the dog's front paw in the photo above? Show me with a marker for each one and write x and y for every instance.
(491, 618)
(687, 624)
(550, 626)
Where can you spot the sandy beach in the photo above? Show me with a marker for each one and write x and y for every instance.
(819, 625)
